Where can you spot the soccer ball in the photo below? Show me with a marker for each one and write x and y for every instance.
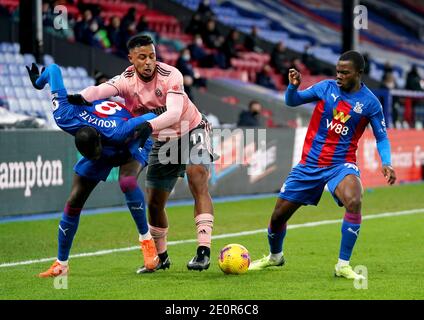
(234, 259)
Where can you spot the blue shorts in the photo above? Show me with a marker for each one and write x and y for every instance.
(100, 169)
(305, 183)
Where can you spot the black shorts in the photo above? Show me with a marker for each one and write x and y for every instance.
(168, 159)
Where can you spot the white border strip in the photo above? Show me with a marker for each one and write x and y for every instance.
(221, 236)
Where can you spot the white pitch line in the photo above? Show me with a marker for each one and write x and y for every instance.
(221, 236)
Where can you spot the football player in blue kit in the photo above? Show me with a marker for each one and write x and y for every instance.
(344, 108)
(106, 136)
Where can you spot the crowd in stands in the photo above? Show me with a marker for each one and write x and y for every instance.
(206, 47)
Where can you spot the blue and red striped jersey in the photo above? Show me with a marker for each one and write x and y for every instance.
(338, 122)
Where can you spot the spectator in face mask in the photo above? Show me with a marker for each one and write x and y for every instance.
(202, 58)
(191, 77)
(251, 117)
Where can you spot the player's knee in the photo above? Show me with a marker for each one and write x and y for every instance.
(353, 203)
(72, 209)
(128, 183)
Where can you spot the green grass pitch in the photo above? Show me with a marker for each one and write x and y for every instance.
(389, 247)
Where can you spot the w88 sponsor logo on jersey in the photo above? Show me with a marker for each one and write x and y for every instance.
(337, 124)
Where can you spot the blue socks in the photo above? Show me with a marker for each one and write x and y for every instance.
(137, 206)
(135, 202)
(68, 226)
(275, 239)
(350, 231)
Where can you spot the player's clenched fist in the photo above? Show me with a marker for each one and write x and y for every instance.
(294, 77)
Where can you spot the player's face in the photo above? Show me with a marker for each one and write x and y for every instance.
(144, 60)
(347, 77)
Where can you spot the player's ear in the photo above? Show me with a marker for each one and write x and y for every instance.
(129, 57)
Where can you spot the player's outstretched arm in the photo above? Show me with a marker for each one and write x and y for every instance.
(100, 92)
(294, 97)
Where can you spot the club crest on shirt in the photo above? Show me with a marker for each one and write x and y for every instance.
(358, 107)
(158, 93)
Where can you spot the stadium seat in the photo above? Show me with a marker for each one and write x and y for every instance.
(72, 72)
(16, 81)
(48, 59)
(4, 81)
(29, 59)
(81, 71)
(10, 92)
(20, 92)
(30, 92)
(26, 106)
(14, 105)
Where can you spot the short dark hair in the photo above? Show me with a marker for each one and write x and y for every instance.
(356, 58)
(87, 141)
(139, 41)
(252, 102)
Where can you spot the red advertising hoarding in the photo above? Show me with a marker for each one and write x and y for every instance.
(407, 157)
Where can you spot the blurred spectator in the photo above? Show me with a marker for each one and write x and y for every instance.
(114, 31)
(310, 61)
(212, 38)
(251, 117)
(143, 25)
(413, 80)
(251, 41)
(82, 28)
(388, 68)
(100, 39)
(367, 63)
(279, 59)
(47, 13)
(388, 82)
(100, 78)
(195, 25)
(126, 34)
(191, 77)
(129, 19)
(213, 120)
(264, 79)
(202, 58)
(231, 47)
(205, 10)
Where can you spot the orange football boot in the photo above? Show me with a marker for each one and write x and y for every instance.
(55, 270)
(150, 254)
